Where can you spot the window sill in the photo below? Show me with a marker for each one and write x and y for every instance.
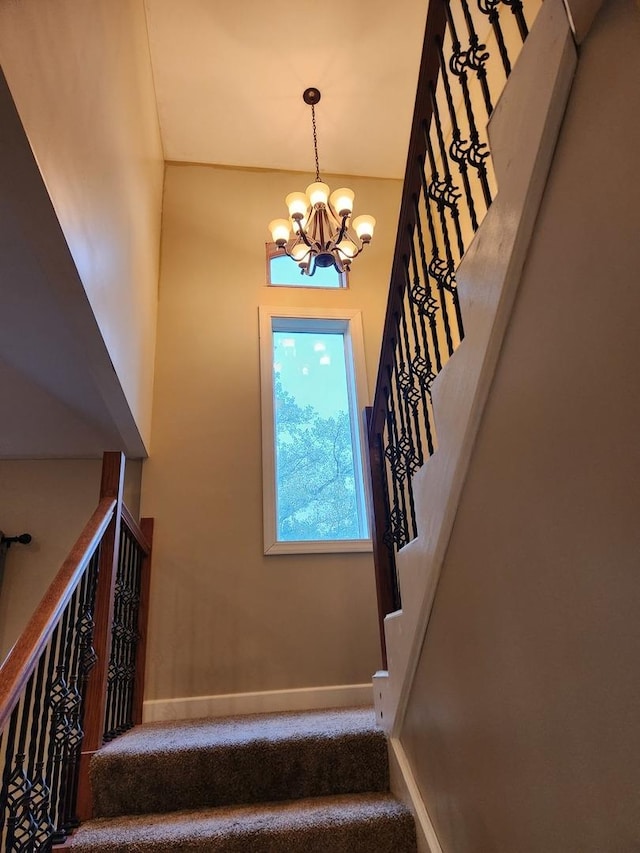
(341, 546)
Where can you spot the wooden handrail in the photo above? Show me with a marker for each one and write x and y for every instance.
(427, 74)
(135, 530)
(24, 656)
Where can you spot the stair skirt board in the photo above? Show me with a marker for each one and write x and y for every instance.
(405, 788)
(231, 704)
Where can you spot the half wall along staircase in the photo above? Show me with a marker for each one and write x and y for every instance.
(311, 782)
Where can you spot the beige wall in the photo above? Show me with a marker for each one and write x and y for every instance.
(52, 499)
(522, 725)
(81, 78)
(225, 618)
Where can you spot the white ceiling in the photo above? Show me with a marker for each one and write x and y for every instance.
(229, 79)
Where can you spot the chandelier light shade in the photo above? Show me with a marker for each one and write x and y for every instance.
(319, 231)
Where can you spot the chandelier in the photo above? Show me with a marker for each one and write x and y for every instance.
(323, 233)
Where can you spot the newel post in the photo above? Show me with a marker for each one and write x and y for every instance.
(113, 464)
(382, 557)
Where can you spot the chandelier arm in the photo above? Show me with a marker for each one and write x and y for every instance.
(302, 235)
(343, 228)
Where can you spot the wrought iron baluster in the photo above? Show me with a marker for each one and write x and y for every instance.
(409, 388)
(397, 516)
(74, 710)
(87, 659)
(518, 14)
(398, 463)
(60, 731)
(451, 191)
(459, 148)
(406, 448)
(475, 57)
(10, 752)
(21, 826)
(41, 794)
(476, 152)
(440, 270)
(421, 372)
(432, 268)
(406, 442)
(422, 296)
(490, 9)
(134, 633)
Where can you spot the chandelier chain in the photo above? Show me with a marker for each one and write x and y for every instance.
(315, 140)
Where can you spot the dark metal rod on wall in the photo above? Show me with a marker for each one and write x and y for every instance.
(5, 543)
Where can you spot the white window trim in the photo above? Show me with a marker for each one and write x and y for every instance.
(348, 321)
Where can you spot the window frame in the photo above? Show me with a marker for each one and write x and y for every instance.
(272, 251)
(349, 322)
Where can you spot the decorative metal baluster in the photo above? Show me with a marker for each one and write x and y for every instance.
(406, 449)
(450, 191)
(40, 793)
(453, 207)
(441, 270)
(21, 826)
(436, 264)
(125, 639)
(131, 639)
(476, 56)
(476, 152)
(87, 659)
(9, 752)
(518, 14)
(490, 9)
(115, 652)
(398, 515)
(409, 391)
(406, 444)
(74, 710)
(60, 731)
(421, 370)
(398, 463)
(421, 293)
(459, 148)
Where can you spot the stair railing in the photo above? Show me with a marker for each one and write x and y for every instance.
(57, 701)
(468, 53)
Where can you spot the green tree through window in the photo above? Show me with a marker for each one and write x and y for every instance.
(315, 472)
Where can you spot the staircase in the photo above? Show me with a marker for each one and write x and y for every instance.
(312, 782)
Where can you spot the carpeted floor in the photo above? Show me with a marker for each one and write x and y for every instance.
(313, 782)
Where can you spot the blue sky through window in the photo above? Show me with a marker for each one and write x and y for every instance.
(284, 271)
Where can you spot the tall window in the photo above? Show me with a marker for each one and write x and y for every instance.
(313, 391)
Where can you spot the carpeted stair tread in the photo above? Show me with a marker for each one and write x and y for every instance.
(261, 758)
(364, 823)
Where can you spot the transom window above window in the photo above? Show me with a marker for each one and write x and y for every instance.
(283, 271)
(314, 497)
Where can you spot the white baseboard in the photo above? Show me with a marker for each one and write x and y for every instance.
(404, 786)
(229, 704)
